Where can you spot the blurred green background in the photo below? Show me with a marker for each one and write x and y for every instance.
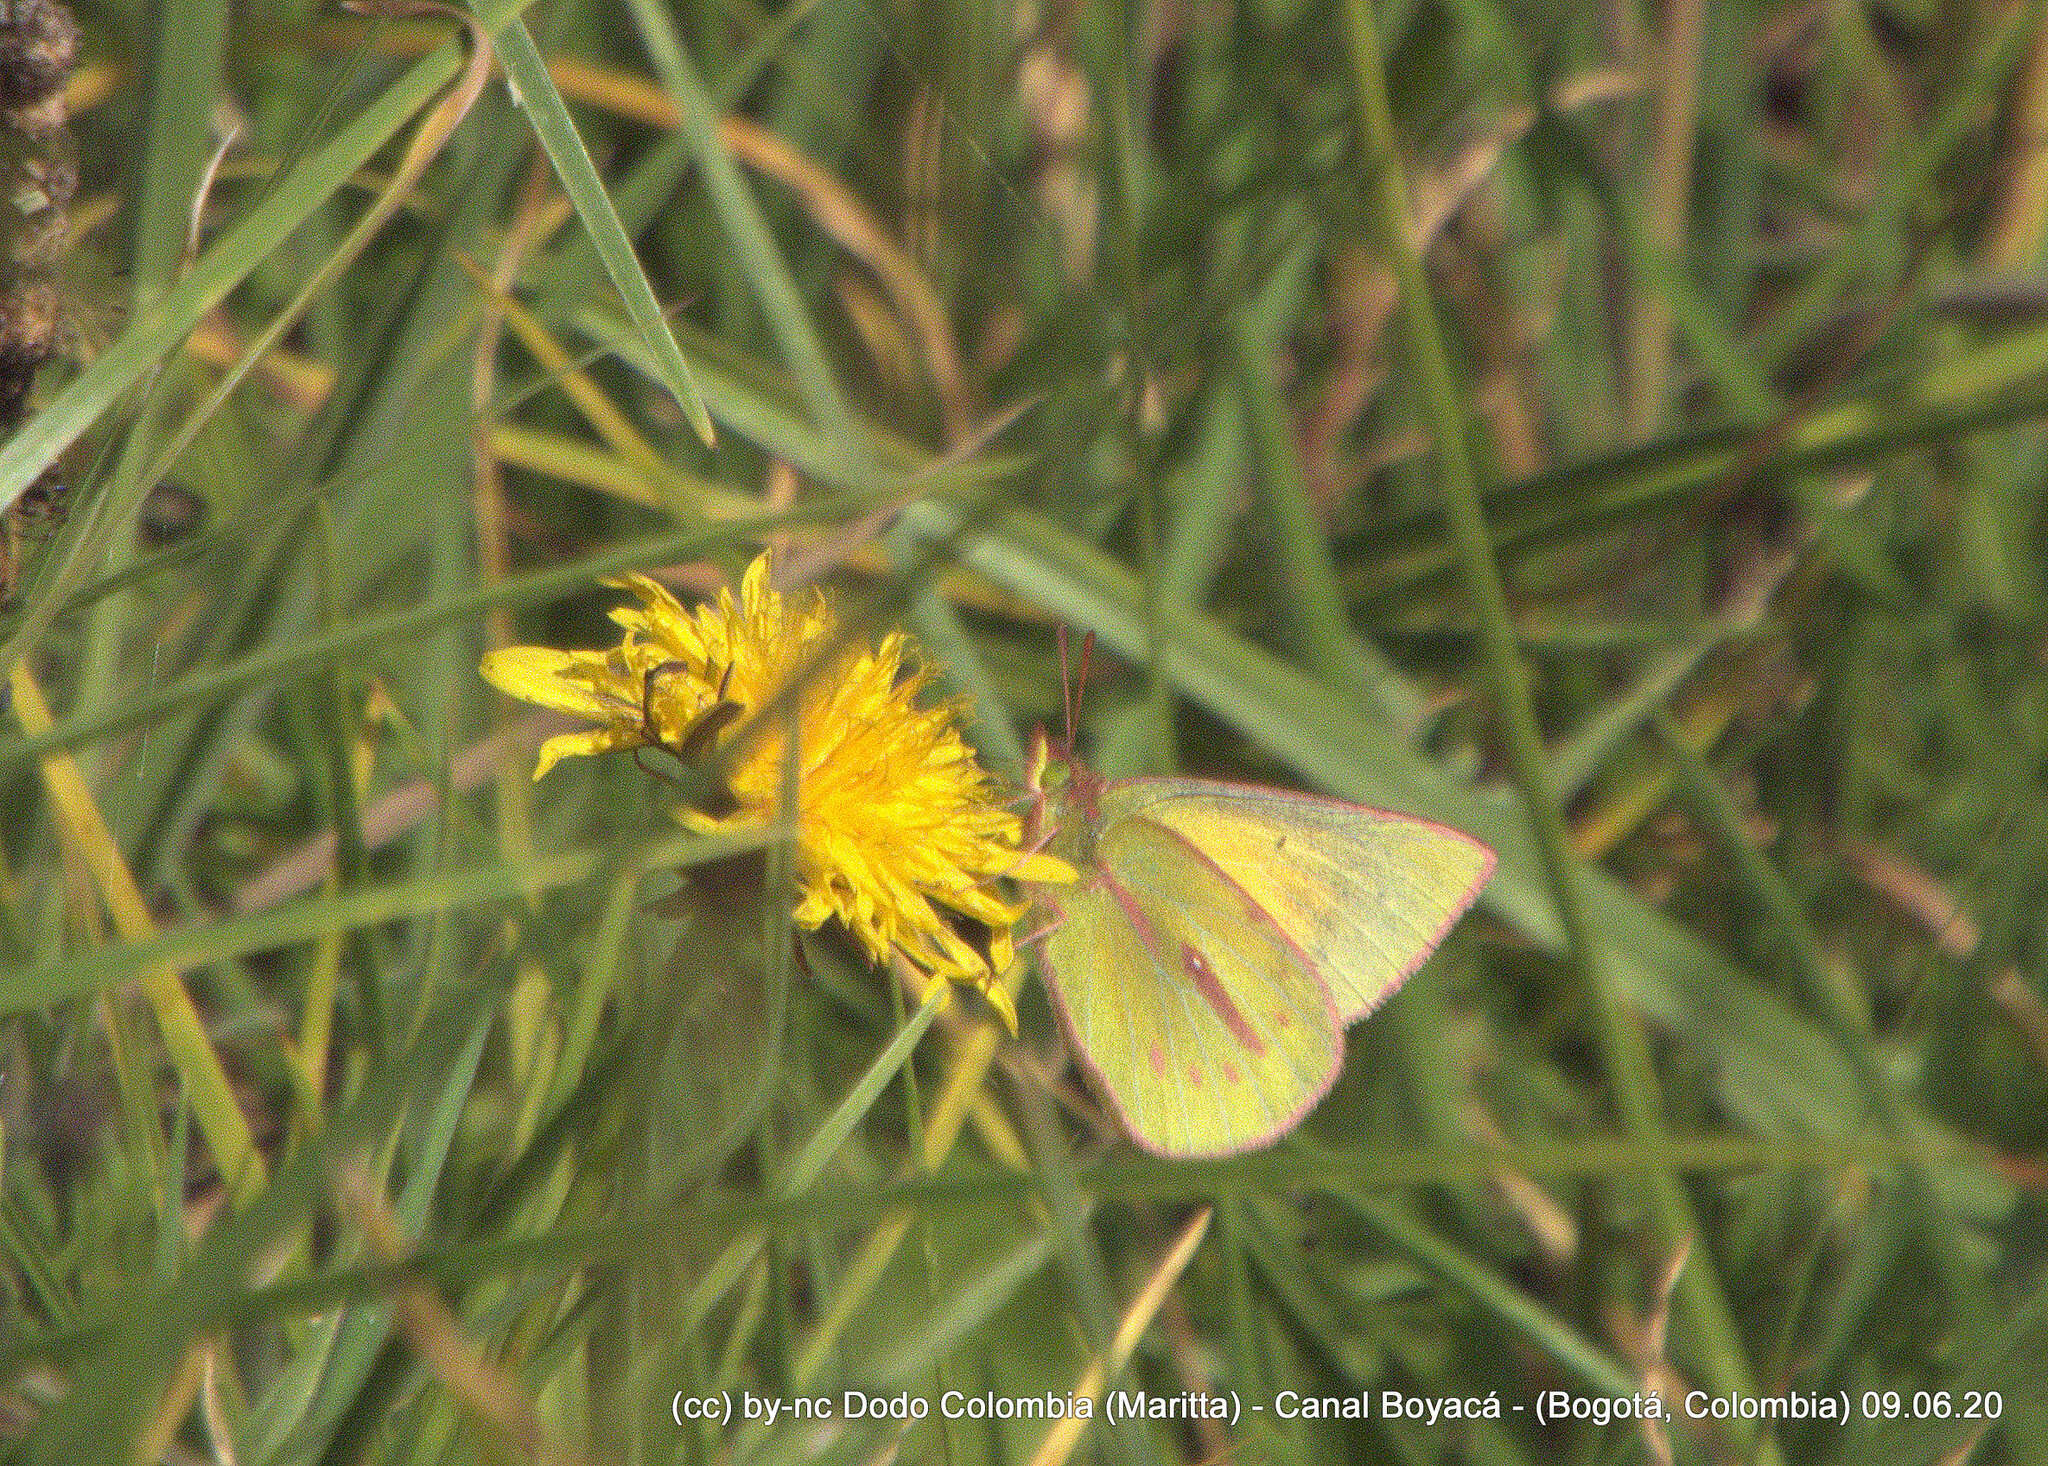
(1613, 431)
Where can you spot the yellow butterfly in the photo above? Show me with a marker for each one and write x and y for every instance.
(1221, 937)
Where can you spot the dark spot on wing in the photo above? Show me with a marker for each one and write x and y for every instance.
(1210, 986)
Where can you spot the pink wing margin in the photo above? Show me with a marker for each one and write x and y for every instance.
(1099, 1077)
(1133, 796)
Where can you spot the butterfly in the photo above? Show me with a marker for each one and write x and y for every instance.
(1221, 937)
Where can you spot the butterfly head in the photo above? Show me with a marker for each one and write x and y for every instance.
(1062, 792)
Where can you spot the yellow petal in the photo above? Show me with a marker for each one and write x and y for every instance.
(592, 740)
(754, 582)
(658, 601)
(999, 999)
(1043, 870)
(536, 674)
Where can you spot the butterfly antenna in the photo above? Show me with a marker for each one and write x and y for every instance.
(1080, 686)
(1066, 691)
(1074, 689)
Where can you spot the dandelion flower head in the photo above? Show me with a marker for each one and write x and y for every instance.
(898, 828)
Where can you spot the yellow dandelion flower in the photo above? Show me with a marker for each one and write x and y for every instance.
(898, 828)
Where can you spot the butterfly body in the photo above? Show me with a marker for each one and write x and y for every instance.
(1221, 936)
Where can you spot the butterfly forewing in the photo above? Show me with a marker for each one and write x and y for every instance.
(1364, 893)
(1204, 1025)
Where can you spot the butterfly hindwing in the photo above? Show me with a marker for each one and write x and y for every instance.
(1364, 893)
(1208, 1030)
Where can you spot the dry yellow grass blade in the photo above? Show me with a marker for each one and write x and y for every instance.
(976, 1051)
(489, 1397)
(833, 206)
(1066, 1432)
(191, 1052)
